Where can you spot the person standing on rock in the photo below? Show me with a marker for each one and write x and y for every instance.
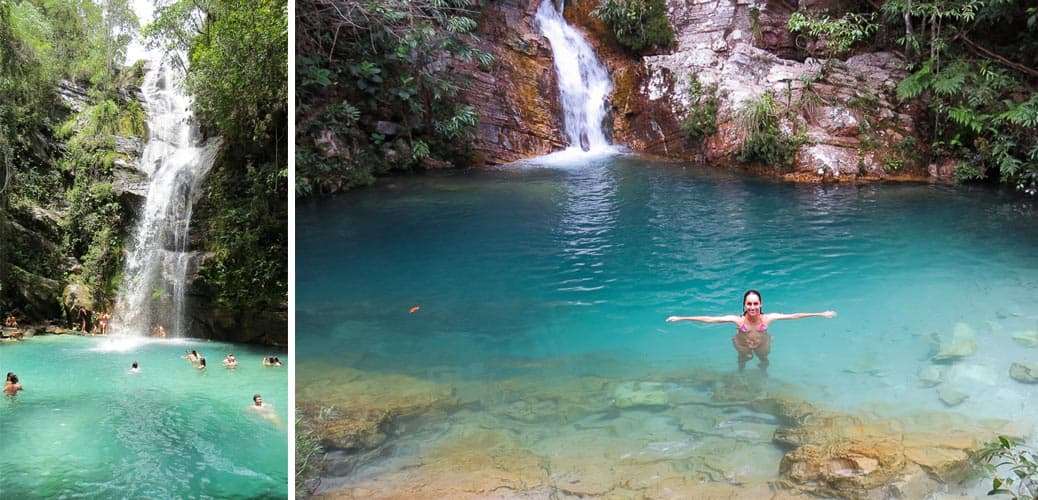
(751, 334)
(84, 319)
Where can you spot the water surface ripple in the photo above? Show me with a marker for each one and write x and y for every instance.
(536, 273)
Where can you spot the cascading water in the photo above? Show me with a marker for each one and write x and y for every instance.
(584, 82)
(176, 159)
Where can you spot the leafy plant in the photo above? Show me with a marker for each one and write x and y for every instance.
(974, 66)
(838, 35)
(308, 453)
(704, 103)
(637, 24)
(379, 89)
(1019, 466)
(763, 140)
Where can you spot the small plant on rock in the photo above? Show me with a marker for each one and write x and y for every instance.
(702, 114)
(1021, 481)
(637, 24)
(763, 139)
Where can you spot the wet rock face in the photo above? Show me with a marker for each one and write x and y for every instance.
(517, 97)
(845, 111)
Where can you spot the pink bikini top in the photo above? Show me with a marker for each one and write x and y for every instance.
(746, 329)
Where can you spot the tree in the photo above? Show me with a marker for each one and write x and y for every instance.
(377, 90)
(977, 74)
(236, 55)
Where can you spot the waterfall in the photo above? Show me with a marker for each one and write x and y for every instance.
(176, 159)
(584, 82)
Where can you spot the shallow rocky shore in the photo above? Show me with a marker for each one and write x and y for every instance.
(690, 434)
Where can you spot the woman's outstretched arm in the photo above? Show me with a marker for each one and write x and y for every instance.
(778, 316)
(731, 318)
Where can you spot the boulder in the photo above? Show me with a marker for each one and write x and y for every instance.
(931, 375)
(1027, 339)
(1026, 373)
(961, 345)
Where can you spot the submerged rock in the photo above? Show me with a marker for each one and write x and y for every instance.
(351, 409)
(1027, 339)
(1024, 372)
(951, 397)
(931, 376)
(632, 394)
(962, 344)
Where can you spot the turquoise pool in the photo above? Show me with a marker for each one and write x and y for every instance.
(86, 426)
(543, 273)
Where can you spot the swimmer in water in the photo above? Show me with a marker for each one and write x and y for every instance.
(751, 332)
(135, 368)
(11, 385)
(264, 410)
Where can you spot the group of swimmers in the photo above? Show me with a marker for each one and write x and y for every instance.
(263, 409)
(230, 361)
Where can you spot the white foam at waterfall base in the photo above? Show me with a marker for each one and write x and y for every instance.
(571, 158)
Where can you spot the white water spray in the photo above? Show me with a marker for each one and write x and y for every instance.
(177, 160)
(584, 82)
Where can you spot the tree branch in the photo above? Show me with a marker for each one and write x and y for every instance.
(987, 53)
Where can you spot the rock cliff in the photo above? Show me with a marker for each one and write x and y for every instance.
(843, 115)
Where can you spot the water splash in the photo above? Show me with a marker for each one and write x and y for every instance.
(177, 159)
(584, 83)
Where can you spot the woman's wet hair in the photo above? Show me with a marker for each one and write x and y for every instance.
(12, 378)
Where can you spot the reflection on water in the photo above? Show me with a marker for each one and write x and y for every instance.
(539, 362)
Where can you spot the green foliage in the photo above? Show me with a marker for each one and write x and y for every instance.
(42, 42)
(238, 63)
(637, 24)
(247, 233)
(308, 453)
(238, 76)
(838, 35)
(378, 90)
(702, 115)
(1019, 466)
(763, 139)
(978, 79)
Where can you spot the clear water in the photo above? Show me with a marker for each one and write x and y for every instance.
(535, 275)
(86, 427)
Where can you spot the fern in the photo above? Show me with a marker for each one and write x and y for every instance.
(951, 79)
(916, 83)
(966, 118)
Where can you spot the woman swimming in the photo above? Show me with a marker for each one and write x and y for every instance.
(751, 335)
